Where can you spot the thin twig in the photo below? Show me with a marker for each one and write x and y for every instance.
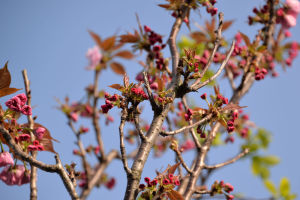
(85, 164)
(33, 172)
(122, 145)
(95, 116)
(195, 87)
(192, 130)
(216, 46)
(200, 122)
(179, 156)
(138, 128)
(243, 153)
(151, 98)
(230, 78)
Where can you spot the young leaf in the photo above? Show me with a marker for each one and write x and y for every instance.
(173, 168)
(246, 39)
(96, 38)
(5, 78)
(232, 106)
(125, 80)
(284, 187)
(116, 86)
(174, 195)
(125, 54)
(8, 91)
(129, 38)
(166, 6)
(227, 24)
(108, 43)
(117, 68)
(271, 187)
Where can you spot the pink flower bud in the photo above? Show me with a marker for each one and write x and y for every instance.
(154, 86)
(26, 110)
(39, 132)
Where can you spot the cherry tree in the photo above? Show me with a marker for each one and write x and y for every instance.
(169, 89)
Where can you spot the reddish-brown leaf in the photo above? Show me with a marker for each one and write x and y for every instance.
(227, 24)
(232, 106)
(125, 80)
(125, 54)
(8, 91)
(5, 78)
(116, 86)
(174, 195)
(166, 6)
(117, 68)
(129, 38)
(173, 168)
(108, 43)
(160, 84)
(96, 38)
(246, 39)
(198, 36)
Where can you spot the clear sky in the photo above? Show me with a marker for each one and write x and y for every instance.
(50, 39)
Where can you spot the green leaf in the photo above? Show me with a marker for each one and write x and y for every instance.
(284, 187)
(264, 137)
(207, 75)
(270, 160)
(217, 140)
(271, 187)
(264, 173)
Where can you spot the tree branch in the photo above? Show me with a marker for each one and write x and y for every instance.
(33, 172)
(58, 168)
(243, 153)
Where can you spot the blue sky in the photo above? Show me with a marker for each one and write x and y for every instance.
(50, 39)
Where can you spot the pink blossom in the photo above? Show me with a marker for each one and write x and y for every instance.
(26, 110)
(187, 145)
(14, 104)
(39, 132)
(293, 5)
(6, 159)
(290, 20)
(22, 98)
(74, 117)
(15, 175)
(94, 56)
(154, 86)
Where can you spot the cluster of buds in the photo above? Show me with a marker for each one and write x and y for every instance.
(230, 123)
(138, 94)
(260, 73)
(201, 132)
(110, 100)
(163, 100)
(188, 115)
(238, 49)
(164, 181)
(155, 38)
(35, 146)
(222, 188)
(260, 15)
(209, 4)
(220, 100)
(17, 104)
(293, 52)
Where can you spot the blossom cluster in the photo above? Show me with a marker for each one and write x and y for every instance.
(12, 174)
(17, 104)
